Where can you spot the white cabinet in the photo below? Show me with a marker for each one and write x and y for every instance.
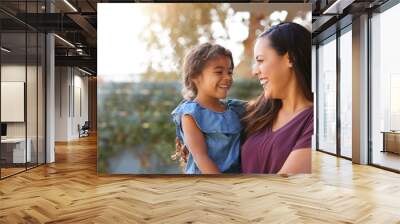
(18, 149)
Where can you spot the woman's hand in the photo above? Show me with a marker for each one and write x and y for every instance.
(197, 146)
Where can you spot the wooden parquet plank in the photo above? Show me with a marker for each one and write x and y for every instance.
(70, 191)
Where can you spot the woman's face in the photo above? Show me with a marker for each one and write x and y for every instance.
(215, 79)
(273, 70)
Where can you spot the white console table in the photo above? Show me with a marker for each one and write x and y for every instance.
(18, 150)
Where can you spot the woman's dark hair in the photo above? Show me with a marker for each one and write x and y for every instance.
(194, 63)
(295, 40)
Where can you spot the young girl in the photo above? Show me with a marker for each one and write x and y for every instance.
(208, 126)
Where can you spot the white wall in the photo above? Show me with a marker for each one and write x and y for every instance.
(12, 73)
(33, 126)
(71, 93)
(61, 103)
(80, 110)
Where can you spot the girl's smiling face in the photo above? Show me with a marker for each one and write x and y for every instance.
(216, 78)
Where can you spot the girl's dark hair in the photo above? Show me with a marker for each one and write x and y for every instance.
(194, 63)
(295, 40)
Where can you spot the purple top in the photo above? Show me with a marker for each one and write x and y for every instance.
(266, 151)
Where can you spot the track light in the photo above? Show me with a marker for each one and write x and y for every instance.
(338, 6)
(64, 40)
(5, 50)
(84, 71)
(70, 5)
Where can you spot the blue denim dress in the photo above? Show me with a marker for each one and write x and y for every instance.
(221, 131)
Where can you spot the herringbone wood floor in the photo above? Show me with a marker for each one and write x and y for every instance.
(70, 191)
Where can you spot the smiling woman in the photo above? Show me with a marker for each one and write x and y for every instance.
(279, 124)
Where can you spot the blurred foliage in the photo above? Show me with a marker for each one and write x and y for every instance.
(136, 117)
(167, 29)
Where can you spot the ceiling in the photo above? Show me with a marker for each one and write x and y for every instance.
(331, 15)
(74, 21)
